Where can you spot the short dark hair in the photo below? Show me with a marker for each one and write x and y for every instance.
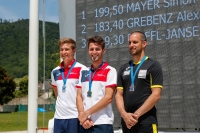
(142, 35)
(96, 39)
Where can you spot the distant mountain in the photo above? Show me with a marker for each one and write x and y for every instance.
(14, 47)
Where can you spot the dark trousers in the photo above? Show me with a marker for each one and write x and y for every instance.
(66, 125)
(103, 128)
(140, 128)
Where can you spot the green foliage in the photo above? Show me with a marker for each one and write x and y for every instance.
(18, 93)
(23, 88)
(7, 87)
(23, 84)
(17, 80)
(56, 57)
(14, 47)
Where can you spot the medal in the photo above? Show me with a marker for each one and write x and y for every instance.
(133, 73)
(63, 88)
(91, 76)
(65, 79)
(131, 87)
(89, 94)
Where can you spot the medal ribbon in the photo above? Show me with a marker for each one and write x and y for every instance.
(92, 76)
(63, 77)
(133, 74)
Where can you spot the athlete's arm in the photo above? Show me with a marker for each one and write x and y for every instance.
(120, 102)
(156, 88)
(150, 102)
(55, 91)
(129, 118)
(79, 101)
(109, 91)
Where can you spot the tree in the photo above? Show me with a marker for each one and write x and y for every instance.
(23, 88)
(56, 57)
(14, 47)
(7, 87)
(23, 85)
(18, 94)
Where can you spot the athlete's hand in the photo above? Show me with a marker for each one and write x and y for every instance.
(88, 123)
(130, 119)
(135, 117)
(83, 117)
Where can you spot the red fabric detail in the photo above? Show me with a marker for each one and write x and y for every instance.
(78, 87)
(70, 64)
(100, 75)
(73, 75)
(53, 85)
(113, 85)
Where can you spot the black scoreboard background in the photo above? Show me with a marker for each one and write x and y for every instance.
(172, 28)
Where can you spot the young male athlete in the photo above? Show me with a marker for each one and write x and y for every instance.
(139, 86)
(64, 78)
(95, 91)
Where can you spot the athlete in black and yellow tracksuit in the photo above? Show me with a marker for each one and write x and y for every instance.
(148, 76)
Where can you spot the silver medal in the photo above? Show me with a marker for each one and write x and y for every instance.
(63, 88)
(131, 87)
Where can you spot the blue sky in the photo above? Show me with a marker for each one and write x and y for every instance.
(18, 9)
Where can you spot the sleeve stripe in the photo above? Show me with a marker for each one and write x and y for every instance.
(120, 88)
(156, 86)
(78, 87)
(53, 85)
(112, 85)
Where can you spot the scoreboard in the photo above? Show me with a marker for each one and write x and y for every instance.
(172, 28)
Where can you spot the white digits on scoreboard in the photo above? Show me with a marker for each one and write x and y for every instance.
(114, 40)
(105, 11)
(84, 43)
(84, 28)
(102, 26)
(83, 14)
(83, 25)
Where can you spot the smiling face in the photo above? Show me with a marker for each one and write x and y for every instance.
(136, 44)
(95, 52)
(66, 52)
